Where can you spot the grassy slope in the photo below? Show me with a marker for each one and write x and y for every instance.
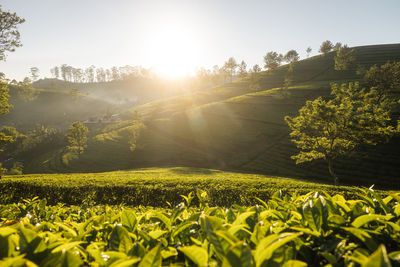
(52, 108)
(231, 127)
(154, 186)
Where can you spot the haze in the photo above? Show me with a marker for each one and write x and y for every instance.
(176, 37)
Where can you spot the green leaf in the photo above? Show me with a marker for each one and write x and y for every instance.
(363, 236)
(67, 246)
(378, 259)
(336, 219)
(395, 255)
(120, 240)
(241, 219)
(62, 258)
(269, 244)
(71, 232)
(169, 252)
(196, 254)
(6, 231)
(294, 263)
(182, 227)
(161, 217)
(125, 262)
(238, 255)
(364, 219)
(157, 233)
(152, 258)
(128, 220)
(210, 224)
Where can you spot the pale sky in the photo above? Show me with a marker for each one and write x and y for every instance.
(177, 36)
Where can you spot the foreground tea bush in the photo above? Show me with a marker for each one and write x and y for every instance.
(287, 230)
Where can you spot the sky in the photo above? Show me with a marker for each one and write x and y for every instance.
(174, 36)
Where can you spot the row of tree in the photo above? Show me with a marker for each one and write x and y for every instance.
(97, 74)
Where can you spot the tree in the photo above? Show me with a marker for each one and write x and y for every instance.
(230, 67)
(55, 72)
(326, 47)
(337, 46)
(9, 40)
(242, 69)
(77, 137)
(308, 51)
(291, 56)
(255, 78)
(330, 129)
(34, 73)
(9, 34)
(26, 91)
(344, 58)
(272, 60)
(383, 78)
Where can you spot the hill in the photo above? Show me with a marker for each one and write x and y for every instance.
(240, 126)
(51, 108)
(131, 91)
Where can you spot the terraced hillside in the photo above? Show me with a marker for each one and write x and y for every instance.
(237, 127)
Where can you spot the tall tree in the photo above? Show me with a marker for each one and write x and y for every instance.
(34, 73)
(230, 67)
(9, 34)
(308, 51)
(291, 56)
(9, 40)
(337, 46)
(272, 60)
(326, 47)
(77, 137)
(55, 72)
(383, 78)
(330, 129)
(344, 58)
(26, 91)
(242, 69)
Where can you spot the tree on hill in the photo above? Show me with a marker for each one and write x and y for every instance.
(344, 58)
(337, 46)
(77, 137)
(55, 72)
(330, 129)
(242, 69)
(272, 60)
(26, 91)
(383, 78)
(34, 73)
(326, 47)
(230, 67)
(291, 56)
(308, 51)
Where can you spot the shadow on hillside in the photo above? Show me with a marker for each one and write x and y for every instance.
(188, 170)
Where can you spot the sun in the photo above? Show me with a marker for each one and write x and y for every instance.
(173, 51)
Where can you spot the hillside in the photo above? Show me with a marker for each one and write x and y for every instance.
(131, 91)
(51, 108)
(238, 127)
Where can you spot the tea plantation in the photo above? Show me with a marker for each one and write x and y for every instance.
(315, 229)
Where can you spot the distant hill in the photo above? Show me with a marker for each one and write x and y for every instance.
(132, 91)
(52, 108)
(240, 126)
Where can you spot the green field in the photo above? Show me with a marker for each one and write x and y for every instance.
(156, 187)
